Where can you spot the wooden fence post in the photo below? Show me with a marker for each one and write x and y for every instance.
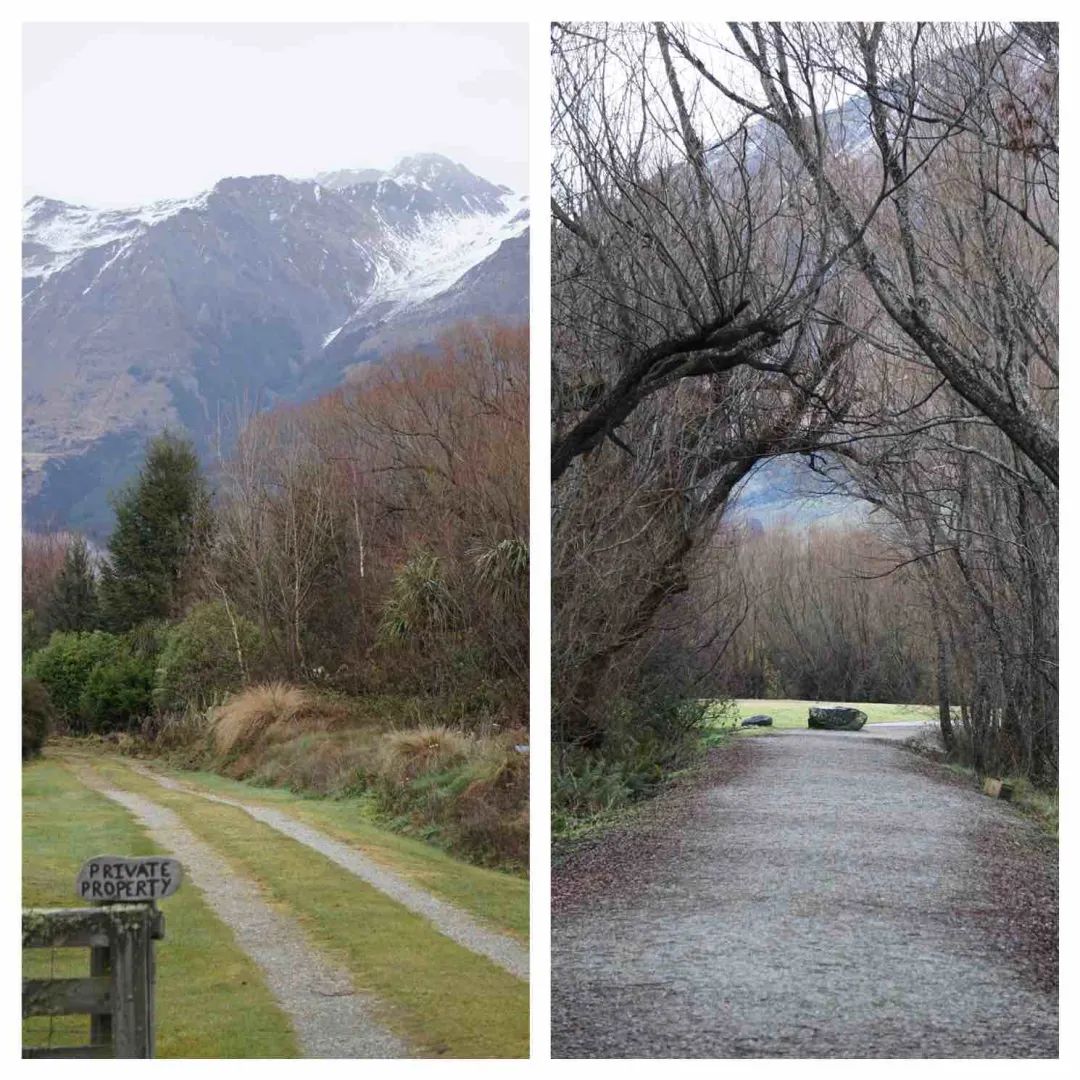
(131, 986)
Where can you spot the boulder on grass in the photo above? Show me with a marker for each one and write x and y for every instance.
(836, 718)
(760, 720)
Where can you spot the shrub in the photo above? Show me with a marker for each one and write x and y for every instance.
(584, 785)
(646, 739)
(37, 717)
(147, 640)
(64, 666)
(205, 656)
(117, 695)
(654, 735)
(489, 821)
(332, 763)
(405, 755)
(420, 605)
(32, 636)
(187, 732)
(469, 791)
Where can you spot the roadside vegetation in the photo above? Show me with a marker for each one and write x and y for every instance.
(877, 303)
(498, 898)
(1040, 804)
(342, 612)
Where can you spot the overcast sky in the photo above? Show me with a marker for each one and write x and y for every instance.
(119, 115)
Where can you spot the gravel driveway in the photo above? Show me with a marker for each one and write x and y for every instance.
(330, 1017)
(456, 924)
(827, 899)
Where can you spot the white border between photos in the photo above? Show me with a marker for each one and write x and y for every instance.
(539, 16)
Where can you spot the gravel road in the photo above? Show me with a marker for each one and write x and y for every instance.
(828, 897)
(330, 1018)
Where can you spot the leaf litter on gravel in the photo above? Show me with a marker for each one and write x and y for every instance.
(614, 859)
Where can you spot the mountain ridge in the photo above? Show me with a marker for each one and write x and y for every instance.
(259, 288)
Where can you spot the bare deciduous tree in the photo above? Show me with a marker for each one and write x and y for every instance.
(831, 240)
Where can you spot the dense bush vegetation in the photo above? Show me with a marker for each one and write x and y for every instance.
(38, 717)
(65, 664)
(96, 681)
(118, 693)
(206, 654)
(468, 790)
(648, 736)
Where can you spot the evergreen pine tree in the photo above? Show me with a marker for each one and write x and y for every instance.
(158, 517)
(73, 603)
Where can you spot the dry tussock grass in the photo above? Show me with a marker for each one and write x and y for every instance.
(492, 813)
(470, 787)
(270, 710)
(321, 763)
(404, 755)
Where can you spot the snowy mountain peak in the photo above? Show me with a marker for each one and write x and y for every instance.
(433, 174)
(338, 179)
(436, 170)
(261, 288)
(269, 183)
(446, 178)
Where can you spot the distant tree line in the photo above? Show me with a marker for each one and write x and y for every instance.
(824, 613)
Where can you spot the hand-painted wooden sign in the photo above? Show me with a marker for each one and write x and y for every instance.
(112, 879)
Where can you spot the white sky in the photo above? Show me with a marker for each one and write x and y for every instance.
(124, 114)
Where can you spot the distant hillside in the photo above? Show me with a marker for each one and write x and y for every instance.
(785, 491)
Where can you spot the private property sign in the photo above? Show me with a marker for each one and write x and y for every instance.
(112, 879)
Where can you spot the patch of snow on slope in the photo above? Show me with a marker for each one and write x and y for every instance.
(68, 231)
(122, 250)
(428, 260)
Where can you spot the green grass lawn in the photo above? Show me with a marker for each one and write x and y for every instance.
(211, 1000)
(499, 899)
(444, 999)
(791, 713)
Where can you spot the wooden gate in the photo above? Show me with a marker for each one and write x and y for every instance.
(118, 992)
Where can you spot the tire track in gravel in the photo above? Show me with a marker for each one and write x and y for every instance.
(330, 1018)
(459, 926)
(827, 899)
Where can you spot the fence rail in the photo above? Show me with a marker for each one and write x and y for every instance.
(118, 993)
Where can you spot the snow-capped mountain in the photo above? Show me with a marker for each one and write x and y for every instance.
(186, 312)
